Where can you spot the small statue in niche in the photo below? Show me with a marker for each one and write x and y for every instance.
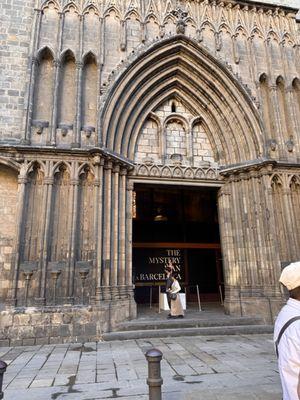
(290, 144)
(181, 17)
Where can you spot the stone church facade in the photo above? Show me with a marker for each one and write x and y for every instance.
(99, 95)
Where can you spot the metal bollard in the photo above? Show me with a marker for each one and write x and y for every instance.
(154, 380)
(3, 367)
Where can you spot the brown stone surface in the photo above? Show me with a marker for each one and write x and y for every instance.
(104, 93)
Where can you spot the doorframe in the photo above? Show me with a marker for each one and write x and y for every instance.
(182, 183)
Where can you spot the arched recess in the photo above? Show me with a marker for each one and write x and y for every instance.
(42, 103)
(179, 67)
(60, 220)
(266, 104)
(8, 214)
(89, 91)
(33, 233)
(283, 108)
(85, 250)
(279, 215)
(295, 203)
(296, 91)
(66, 107)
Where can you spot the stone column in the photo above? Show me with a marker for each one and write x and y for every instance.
(231, 273)
(33, 73)
(22, 181)
(291, 105)
(291, 241)
(123, 41)
(78, 103)
(277, 119)
(48, 182)
(52, 130)
(98, 183)
(128, 235)
(122, 233)
(106, 260)
(99, 141)
(271, 267)
(74, 223)
(235, 53)
(77, 124)
(115, 232)
(252, 65)
(227, 243)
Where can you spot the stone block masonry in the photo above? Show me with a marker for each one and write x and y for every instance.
(16, 20)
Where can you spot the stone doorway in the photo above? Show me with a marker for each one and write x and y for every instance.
(178, 223)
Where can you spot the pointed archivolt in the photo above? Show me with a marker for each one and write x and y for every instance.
(35, 164)
(10, 163)
(66, 54)
(89, 8)
(50, 4)
(69, 6)
(152, 8)
(166, 172)
(84, 168)
(60, 166)
(88, 56)
(180, 67)
(132, 13)
(294, 181)
(45, 50)
(189, 173)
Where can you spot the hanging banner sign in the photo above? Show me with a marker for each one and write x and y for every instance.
(149, 264)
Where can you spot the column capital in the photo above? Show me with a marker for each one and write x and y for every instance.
(123, 171)
(34, 61)
(108, 165)
(79, 65)
(116, 168)
(57, 63)
(74, 182)
(129, 185)
(49, 180)
(23, 179)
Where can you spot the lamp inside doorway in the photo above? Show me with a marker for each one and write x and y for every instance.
(160, 215)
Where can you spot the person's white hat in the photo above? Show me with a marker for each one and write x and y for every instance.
(290, 276)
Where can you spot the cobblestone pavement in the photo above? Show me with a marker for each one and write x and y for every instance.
(193, 368)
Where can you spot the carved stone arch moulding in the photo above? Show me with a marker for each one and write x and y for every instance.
(58, 166)
(294, 180)
(180, 66)
(8, 162)
(35, 164)
(83, 168)
(177, 172)
(44, 51)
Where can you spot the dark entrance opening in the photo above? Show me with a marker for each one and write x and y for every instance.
(178, 223)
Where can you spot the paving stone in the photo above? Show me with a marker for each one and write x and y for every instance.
(222, 370)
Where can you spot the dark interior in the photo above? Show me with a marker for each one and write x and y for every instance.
(182, 221)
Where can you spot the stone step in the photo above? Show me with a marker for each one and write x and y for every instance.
(153, 324)
(199, 331)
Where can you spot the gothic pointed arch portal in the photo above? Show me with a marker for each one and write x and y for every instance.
(179, 71)
(180, 67)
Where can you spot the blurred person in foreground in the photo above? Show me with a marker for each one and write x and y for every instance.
(287, 334)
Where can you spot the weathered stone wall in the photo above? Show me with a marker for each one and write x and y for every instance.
(33, 326)
(92, 87)
(256, 44)
(16, 20)
(172, 134)
(8, 210)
